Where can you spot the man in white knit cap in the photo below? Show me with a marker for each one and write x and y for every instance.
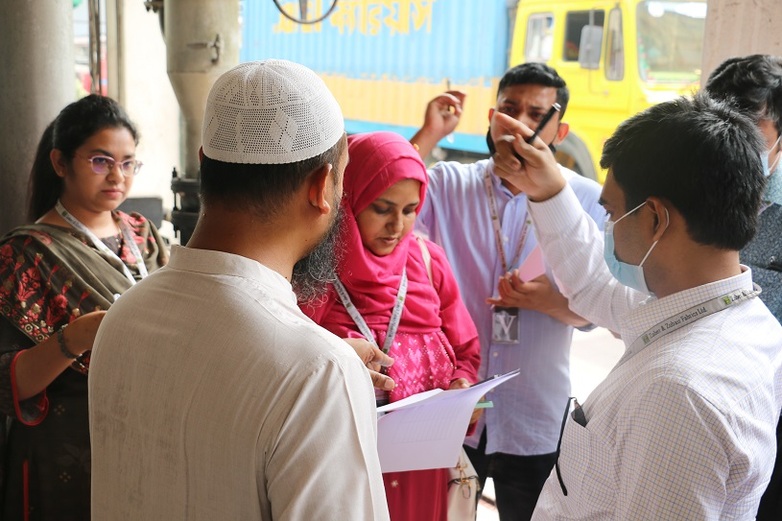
(212, 397)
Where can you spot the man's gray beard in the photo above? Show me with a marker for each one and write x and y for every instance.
(313, 273)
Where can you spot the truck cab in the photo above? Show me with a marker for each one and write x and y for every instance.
(617, 57)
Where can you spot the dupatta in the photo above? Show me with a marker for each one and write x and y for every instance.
(379, 160)
(51, 275)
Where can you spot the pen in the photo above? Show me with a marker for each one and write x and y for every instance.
(578, 413)
(554, 108)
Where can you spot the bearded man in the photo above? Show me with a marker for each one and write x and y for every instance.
(212, 396)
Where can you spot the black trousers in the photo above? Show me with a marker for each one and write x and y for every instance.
(518, 480)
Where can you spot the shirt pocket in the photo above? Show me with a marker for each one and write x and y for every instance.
(574, 457)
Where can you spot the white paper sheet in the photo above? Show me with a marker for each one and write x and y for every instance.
(426, 430)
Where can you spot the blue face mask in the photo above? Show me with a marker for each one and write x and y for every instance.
(767, 171)
(627, 274)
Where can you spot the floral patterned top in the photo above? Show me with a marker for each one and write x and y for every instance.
(49, 276)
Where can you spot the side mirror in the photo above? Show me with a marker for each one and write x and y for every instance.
(589, 47)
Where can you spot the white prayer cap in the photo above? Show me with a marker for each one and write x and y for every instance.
(270, 112)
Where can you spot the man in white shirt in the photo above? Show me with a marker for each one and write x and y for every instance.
(683, 426)
(211, 395)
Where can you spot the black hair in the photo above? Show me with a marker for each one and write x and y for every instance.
(263, 189)
(754, 83)
(75, 124)
(700, 154)
(537, 74)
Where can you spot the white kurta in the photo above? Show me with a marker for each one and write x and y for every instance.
(683, 428)
(212, 397)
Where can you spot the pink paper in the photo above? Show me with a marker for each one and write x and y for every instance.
(533, 265)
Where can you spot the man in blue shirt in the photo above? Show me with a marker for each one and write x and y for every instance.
(523, 324)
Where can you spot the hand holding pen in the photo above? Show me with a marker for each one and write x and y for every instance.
(546, 118)
(537, 173)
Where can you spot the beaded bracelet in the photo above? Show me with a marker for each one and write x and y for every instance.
(63, 346)
(77, 359)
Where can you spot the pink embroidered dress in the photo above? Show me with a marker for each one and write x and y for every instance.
(436, 341)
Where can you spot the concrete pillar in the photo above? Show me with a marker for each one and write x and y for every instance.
(138, 79)
(37, 79)
(202, 42)
(740, 28)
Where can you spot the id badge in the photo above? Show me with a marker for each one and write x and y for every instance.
(505, 325)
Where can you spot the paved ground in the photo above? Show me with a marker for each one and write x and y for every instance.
(592, 357)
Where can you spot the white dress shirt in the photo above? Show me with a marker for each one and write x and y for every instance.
(683, 427)
(212, 397)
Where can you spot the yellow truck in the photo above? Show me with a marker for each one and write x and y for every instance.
(384, 60)
(618, 57)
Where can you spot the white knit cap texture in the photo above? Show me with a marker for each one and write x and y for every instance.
(270, 112)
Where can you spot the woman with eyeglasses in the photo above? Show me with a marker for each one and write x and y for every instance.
(58, 275)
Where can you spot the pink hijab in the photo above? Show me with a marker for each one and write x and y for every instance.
(379, 160)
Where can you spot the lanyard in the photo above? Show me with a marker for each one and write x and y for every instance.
(495, 221)
(691, 315)
(126, 235)
(396, 313)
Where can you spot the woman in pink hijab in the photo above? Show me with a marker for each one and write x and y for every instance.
(404, 295)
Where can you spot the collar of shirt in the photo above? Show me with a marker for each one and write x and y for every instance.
(224, 264)
(653, 310)
(496, 183)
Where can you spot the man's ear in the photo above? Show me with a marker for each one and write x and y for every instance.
(58, 162)
(661, 214)
(317, 192)
(562, 131)
(491, 113)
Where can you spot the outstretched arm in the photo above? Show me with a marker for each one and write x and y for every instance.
(570, 239)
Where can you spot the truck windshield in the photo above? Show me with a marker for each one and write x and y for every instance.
(670, 40)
